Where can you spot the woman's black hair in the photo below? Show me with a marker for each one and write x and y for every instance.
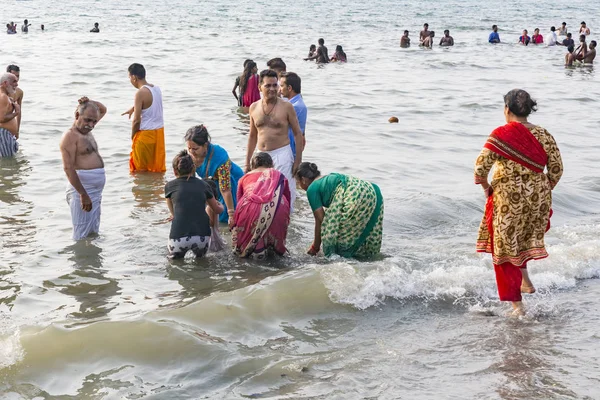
(183, 164)
(308, 170)
(246, 75)
(198, 134)
(262, 159)
(520, 103)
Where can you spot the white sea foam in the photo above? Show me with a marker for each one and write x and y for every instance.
(11, 351)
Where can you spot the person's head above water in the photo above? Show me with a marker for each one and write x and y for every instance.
(583, 24)
(447, 32)
(495, 28)
(96, 25)
(592, 44)
(25, 22)
(519, 103)
(277, 64)
(42, 26)
(313, 47)
(339, 48)
(536, 31)
(564, 24)
(582, 38)
(183, 164)
(569, 35)
(425, 26)
(571, 48)
(247, 61)
(290, 84)
(321, 41)
(524, 32)
(87, 116)
(552, 29)
(261, 160)
(197, 141)
(405, 33)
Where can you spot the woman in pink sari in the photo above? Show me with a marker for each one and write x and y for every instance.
(249, 84)
(262, 214)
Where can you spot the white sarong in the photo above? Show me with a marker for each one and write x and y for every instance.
(283, 160)
(86, 222)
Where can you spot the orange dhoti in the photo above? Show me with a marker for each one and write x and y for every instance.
(148, 151)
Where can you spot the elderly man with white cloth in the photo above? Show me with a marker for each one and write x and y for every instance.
(84, 168)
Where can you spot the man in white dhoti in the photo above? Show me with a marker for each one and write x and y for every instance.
(270, 118)
(84, 168)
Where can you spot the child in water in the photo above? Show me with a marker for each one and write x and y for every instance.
(187, 197)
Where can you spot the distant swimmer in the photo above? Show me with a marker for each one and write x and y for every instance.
(428, 41)
(562, 31)
(568, 41)
(312, 50)
(584, 30)
(582, 49)
(591, 54)
(25, 26)
(339, 54)
(494, 36)
(84, 168)
(405, 40)
(570, 56)
(18, 96)
(553, 39)
(277, 65)
(147, 125)
(321, 57)
(42, 27)
(9, 114)
(96, 28)
(237, 85)
(536, 38)
(10, 29)
(447, 40)
(424, 34)
(270, 119)
(524, 39)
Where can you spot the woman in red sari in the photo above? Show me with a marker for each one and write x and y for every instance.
(262, 214)
(527, 166)
(249, 84)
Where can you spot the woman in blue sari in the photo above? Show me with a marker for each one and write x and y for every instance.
(213, 163)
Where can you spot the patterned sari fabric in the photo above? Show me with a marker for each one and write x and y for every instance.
(518, 212)
(353, 223)
(262, 215)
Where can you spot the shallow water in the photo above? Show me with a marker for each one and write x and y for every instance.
(112, 318)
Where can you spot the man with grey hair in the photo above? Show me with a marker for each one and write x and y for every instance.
(84, 168)
(9, 116)
(18, 96)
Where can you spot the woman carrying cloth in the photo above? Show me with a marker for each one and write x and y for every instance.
(212, 162)
(519, 199)
(353, 223)
(262, 215)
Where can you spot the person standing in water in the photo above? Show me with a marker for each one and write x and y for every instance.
(249, 92)
(582, 49)
(428, 41)
(290, 87)
(553, 39)
(405, 40)
(18, 96)
(424, 34)
(494, 36)
(187, 198)
(537, 38)
(270, 119)
(96, 28)
(584, 30)
(447, 40)
(84, 168)
(312, 50)
(9, 114)
(591, 54)
(519, 197)
(237, 85)
(321, 57)
(524, 38)
(25, 26)
(339, 54)
(147, 125)
(562, 31)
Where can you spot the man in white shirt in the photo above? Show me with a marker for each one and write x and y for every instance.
(552, 38)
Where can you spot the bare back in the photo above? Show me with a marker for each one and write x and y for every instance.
(7, 107)
(272, 124)
(80, 151)
(590, 56)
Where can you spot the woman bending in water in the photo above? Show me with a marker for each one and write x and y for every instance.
(187, 197)
(353, 223)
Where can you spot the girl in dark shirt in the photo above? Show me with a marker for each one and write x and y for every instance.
(187, 197)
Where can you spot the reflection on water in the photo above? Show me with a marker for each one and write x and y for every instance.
(87, 283)
(148, 191)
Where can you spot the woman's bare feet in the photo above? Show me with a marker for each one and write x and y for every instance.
(526, 284)
(527, 289)
(518, 309)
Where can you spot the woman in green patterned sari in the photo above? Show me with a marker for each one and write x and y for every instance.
(353, 223)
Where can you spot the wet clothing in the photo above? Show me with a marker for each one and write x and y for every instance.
(8, 143)
(189, 196)
(148, 147)
(86, 222)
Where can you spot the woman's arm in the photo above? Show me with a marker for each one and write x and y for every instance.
(215, 205)
(483, 165)
(224, 177)
(319, 215)
(235, 86)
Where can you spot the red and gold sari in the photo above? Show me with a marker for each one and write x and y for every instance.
(517, 214)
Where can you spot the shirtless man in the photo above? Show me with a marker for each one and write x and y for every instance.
(428, 41)
(582, 49)
(25, 26)
(591, 54)
(405, 40)
(269, 122)
(96, 28)
(424, 34)
(447, 40)
(84, 168)
(570, 56)
(321, 56)
(9, 114)
(18, 96)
